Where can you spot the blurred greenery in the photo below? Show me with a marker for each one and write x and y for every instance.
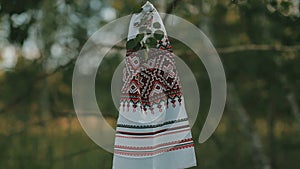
(258, 42)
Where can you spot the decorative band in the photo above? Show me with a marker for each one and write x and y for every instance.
(151, 126)
(153, 136)
(154, 147)
(154, 132)
(179, 147)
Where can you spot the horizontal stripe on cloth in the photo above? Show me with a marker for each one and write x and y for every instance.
(152, 126)
(178, 147)
(153, 147)
(153, 140)
(152, 133)
(150, 130)
(165, 160)
(153, 150)
(142, 137)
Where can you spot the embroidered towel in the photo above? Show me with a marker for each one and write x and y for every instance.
(153, 131)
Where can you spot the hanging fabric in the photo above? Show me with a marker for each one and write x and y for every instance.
(153, 131)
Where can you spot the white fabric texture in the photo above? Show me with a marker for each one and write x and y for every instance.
(153, 130)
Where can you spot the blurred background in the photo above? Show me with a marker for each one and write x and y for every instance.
(258, 42)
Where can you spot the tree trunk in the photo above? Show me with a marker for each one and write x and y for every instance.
(261, 161)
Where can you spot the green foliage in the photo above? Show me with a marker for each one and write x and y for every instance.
(258, 42)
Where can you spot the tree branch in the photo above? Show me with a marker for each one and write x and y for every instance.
(254, 47)
(170, 8)
(224, 50)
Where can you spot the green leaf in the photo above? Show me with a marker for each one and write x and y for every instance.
(158, 34)
(135, 43)
(151, 42)
(148, 31)
(156, 25)
(130, 44)
(139, 37)
(137, 47)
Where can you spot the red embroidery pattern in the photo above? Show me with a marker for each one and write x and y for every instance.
(154, 147)
(150, 82)
(189, 145)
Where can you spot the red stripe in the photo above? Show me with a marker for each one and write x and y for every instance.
(154, 152)
(153, 147)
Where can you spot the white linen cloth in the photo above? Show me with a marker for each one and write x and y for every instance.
(153, 131)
